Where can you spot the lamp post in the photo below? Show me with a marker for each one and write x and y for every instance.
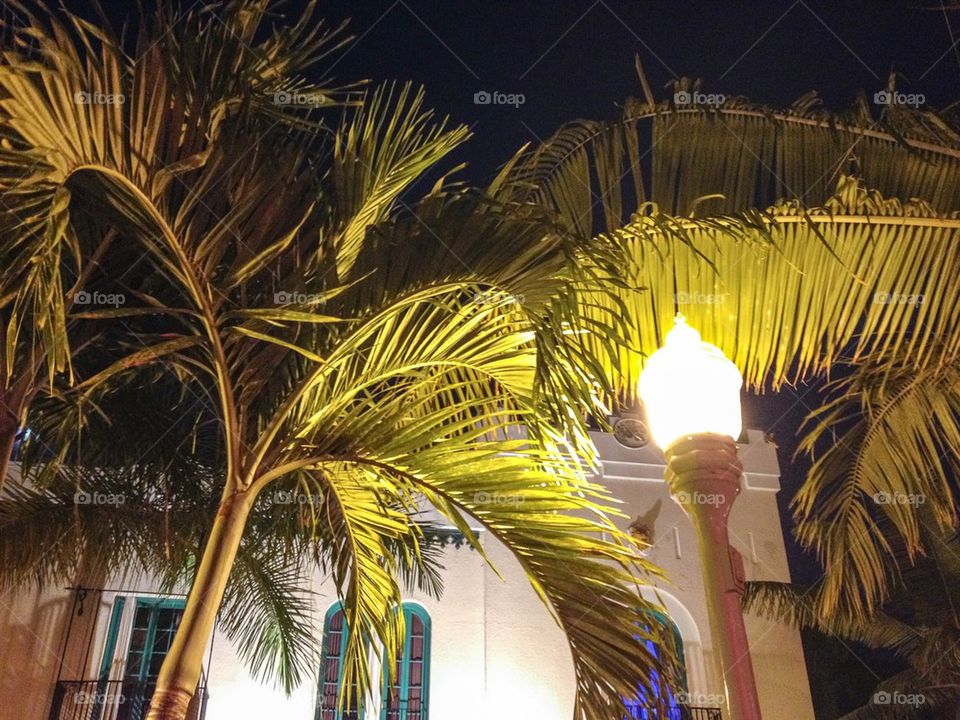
(691, 392)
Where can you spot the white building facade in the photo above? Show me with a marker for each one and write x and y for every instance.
(486, 650)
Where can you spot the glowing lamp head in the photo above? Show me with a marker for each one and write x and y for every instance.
(690, 387)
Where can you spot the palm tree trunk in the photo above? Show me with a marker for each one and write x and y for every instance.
(8, 436)
(181, 668)
(10, 408)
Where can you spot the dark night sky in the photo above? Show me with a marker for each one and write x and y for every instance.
(576, 60)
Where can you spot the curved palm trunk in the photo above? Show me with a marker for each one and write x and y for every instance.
(11, 405)
(180, 672)
(8, 437)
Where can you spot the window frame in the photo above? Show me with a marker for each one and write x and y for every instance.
(146, 656)
(410, 609)
(636, 704)
(339, 714)
(114, 643)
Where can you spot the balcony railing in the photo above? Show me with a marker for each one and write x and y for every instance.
(701, 713)
(112, 700)
(684, 712)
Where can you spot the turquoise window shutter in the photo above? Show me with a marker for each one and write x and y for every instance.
(407, 696)
(335, 632)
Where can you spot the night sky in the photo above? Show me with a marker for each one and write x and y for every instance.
(574, 60)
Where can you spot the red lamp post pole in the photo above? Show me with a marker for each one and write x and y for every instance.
(703, 473)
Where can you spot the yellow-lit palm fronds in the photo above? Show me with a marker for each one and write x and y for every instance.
(796, 241)
(788, 292)
(707, 155)
(339, 340)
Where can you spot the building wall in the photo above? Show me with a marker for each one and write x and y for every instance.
(496, 652)
(31, 645)
(636, 478)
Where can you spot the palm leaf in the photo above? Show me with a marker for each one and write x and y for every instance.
(788, 293)
(884, 446)
(805, 608)
(731, 157)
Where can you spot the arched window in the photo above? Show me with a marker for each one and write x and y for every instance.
(650, 703)
(407, 696)
(335, 633)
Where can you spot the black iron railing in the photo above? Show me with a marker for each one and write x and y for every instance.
(683, 712)
(702, 713)
(112, 700)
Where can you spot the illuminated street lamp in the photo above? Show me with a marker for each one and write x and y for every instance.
(691, 393)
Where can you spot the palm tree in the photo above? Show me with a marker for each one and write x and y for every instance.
(376, 351)
(919, 623)
(802, 243)
(52, 255)
(158, 530)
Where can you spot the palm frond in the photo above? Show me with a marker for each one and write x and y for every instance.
(884, 445)
(267, 613)
(89, 523)
(909, 695)
(918, 623)
(789, 292)
(363, 525)
(427, 438)
(387, 144)
(724, 155)
(78, 106)
(805, 608)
